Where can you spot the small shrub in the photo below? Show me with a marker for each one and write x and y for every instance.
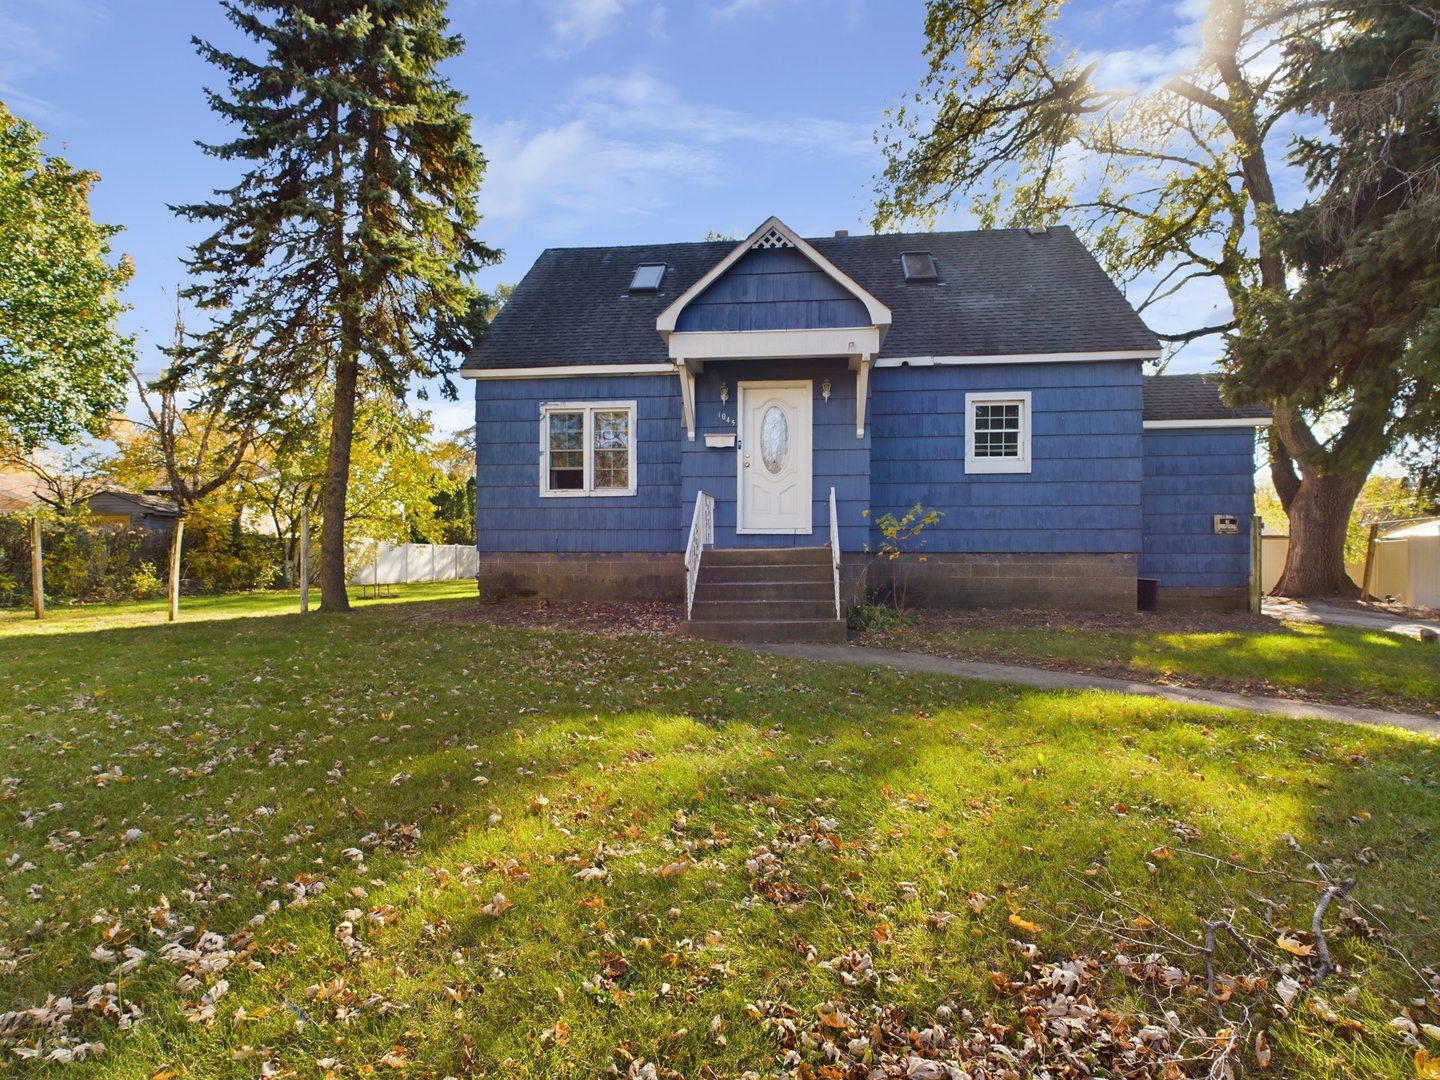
(878, 619)
(144, 582)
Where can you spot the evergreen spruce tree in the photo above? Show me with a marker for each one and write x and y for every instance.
(345, 253)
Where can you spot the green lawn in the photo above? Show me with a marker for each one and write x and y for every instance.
(406, 842)
(66, 618)
(1320, 663)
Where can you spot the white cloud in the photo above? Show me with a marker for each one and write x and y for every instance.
(737, 9)
(625, 149)
(640, 102)
(35, 37)
(577, 23)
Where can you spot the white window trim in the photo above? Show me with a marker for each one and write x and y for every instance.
(1019, 464)
(589, 408)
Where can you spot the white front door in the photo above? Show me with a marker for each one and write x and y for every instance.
(773, 487)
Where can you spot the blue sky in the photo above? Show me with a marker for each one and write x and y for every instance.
(604, 121)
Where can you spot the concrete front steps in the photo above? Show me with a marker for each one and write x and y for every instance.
(765, 594)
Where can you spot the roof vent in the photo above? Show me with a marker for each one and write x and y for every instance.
(773, 238)
(918, 266)
(1038, 230)
(647, 277)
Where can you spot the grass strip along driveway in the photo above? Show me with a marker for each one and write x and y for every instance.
(408, 843)
(1215, 651)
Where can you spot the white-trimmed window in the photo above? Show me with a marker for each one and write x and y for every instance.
(997, 432)
(587, 448)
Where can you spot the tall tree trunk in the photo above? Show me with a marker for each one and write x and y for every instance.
(333, 596)
(1319, 518)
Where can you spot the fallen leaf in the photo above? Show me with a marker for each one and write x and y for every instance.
(978, 902)
(1426, 1067)
(498, 905)
(1162, 852)
(562, 1033)
(1294, 947)
(616, 967)
(1262, 1050)
(1020, 924)
(672, 869)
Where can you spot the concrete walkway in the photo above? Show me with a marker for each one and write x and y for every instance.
(1309, 611)
(1044, 679)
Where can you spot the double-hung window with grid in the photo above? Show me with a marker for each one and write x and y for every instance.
(587, 449)
(997, 432)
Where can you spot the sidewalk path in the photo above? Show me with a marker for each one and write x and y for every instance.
(1306, 611)
(1058, 680)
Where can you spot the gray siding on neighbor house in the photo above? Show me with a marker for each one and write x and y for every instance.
(840, 460)
(510, 515)
(1190, 476)
(1083, 493)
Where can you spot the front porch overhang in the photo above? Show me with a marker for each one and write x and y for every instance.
(857, 344)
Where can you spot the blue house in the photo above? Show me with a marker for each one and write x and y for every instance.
(721, 424)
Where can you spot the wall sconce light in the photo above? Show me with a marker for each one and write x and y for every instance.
(724, 393)
(825, 390)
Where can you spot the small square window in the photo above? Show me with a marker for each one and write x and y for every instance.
(997, 432)
(647, 277)
(587, 449)
(918, 266)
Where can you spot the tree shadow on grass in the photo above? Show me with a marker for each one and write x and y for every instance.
(935, 789)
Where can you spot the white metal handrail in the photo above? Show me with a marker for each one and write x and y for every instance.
(835, 553)
(702, 532)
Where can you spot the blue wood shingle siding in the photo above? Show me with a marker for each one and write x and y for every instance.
(774, 289)
(1190, 476)
(840, 460)
(510, 515)
(1083, 493)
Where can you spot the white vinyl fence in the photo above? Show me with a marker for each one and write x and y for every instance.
(379, 563)
(1407, 566)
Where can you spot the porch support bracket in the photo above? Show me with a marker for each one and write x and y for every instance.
(861, 366)
(687, 397)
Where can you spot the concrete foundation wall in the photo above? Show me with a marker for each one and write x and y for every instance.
(1180, 598)
(596, 576)
(1067, 581)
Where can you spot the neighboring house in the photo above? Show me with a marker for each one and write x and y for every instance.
(147, 511)
(17, 493)
(994, 376)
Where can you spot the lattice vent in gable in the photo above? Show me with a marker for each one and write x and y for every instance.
(771, 239)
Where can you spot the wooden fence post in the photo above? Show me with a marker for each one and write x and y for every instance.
(175, 550)
(37, 568)
(304, 559)
(1257, 565)
(1365, 578)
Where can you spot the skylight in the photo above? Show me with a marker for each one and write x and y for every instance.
(918, 266)
(647, 277)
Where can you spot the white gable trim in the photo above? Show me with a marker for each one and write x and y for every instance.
(878, 312)
(705, 345)
(1016, 358)
(1229, 421)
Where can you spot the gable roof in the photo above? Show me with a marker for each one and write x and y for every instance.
(1192, 398)
(129, 502)
(775, 236)
(999, 292)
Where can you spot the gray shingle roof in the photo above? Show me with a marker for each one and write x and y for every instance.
(1000, 292)
(1193, 397)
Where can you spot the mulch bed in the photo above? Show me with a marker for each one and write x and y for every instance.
(609, 619)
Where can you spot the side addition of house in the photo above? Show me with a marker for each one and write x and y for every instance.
(721, 424)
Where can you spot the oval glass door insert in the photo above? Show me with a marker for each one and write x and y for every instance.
(774, 439)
